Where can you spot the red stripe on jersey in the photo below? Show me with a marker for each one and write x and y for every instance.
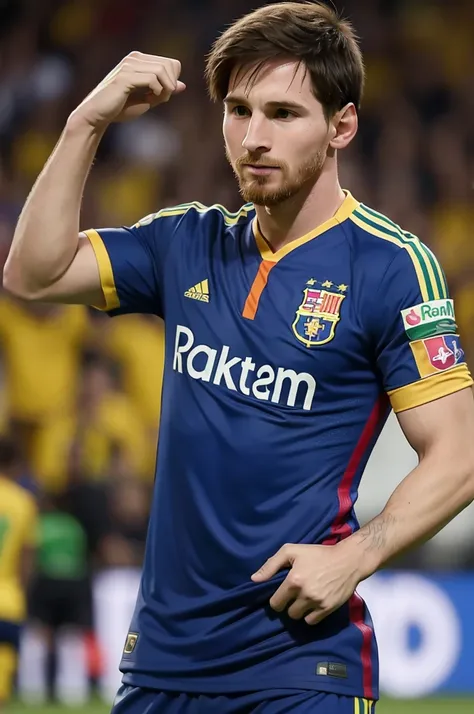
(340, 530)
(340, 527)
(356, 611)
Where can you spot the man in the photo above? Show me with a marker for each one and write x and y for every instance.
(17, 540)
(287, 325)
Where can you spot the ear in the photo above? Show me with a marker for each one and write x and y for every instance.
(344, 125)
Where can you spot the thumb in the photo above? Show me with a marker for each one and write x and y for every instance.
(271, 567)
(180, 87)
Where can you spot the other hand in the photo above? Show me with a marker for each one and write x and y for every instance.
(321, 579)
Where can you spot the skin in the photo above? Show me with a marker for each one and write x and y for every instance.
(50, 261)
(278, 122)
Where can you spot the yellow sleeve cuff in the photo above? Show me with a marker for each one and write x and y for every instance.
(431, 388)
(105, 271)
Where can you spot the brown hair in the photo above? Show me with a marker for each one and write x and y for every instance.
(310, 32)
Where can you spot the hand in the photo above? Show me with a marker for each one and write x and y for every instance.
(135, 85)
(321, 579)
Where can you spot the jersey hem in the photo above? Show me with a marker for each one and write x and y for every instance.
(207, 686)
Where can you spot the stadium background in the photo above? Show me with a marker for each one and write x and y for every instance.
(80, 393)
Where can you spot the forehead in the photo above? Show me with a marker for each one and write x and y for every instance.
(286, 77)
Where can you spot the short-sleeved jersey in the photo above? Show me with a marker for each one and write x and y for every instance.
(17, 531)
(279, 372)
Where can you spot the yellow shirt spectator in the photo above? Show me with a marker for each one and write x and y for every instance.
(109, 433)
(137, 344)
(17, 532)
(41, 352)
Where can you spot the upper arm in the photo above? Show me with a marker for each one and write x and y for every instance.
(443, 426)
(80, 284)
(417, 345)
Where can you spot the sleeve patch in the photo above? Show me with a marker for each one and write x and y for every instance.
(428, 319)
(437, 354)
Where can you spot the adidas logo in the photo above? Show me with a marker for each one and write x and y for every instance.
(199, 291)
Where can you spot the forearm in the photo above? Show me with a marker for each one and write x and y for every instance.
(46, 237)
(426, 500)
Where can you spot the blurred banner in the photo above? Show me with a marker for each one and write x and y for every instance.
(425, 629)
(424, 626)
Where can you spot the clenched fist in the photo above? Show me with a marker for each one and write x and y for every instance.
(135, 85)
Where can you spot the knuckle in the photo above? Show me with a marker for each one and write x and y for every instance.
(296, 580)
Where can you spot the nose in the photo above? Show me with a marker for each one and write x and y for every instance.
(257, 138)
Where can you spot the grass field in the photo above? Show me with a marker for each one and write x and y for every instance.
(385, 706)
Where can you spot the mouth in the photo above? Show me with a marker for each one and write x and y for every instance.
(261, 169)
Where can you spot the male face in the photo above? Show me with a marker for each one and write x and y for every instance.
(276, 134)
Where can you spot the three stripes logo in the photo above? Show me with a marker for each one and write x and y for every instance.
(200, 291)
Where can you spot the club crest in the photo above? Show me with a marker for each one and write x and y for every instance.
(319, 312)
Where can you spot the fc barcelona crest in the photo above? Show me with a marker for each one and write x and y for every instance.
(317, 316)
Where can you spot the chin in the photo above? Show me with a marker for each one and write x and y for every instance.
(263, 194)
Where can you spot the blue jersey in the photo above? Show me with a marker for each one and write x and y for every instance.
(280, 371)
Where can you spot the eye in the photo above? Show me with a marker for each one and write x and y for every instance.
(283, 113)
(240, 111)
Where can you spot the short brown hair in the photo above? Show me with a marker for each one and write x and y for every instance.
(310, 32)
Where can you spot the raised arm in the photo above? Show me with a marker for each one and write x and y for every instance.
(49, 259)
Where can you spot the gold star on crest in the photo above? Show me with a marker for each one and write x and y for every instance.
(311, 282)
(327, 284)
(342, 287)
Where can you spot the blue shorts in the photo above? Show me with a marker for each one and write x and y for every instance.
(135, 700)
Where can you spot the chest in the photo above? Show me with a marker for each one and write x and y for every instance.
(300, 313)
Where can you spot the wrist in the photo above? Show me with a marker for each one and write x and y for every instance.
(78, 124)
(364, 561)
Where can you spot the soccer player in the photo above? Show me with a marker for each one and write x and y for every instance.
(291, 327)
(17, 541)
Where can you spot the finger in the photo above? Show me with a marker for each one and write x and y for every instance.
(149, 63)
(300, 608)
(284, 557)
(146, 81)
(165, 78)
(318, 614)
(283, 596)
(143, 57)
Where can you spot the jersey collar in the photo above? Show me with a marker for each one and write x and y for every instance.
(344, 211)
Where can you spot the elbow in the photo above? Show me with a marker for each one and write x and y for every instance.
(13, 283)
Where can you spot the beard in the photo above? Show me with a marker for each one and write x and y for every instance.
(256, 189)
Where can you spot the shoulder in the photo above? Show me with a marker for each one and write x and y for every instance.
(196, 214)
(389, 248)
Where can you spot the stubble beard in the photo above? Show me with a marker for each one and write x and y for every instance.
(255, 190)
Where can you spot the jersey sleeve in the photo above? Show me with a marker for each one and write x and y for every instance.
(417, 344)
(131, 261)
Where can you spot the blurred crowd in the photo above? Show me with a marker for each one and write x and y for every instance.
(80, 393)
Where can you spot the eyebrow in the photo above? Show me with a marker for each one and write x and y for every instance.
(237, 99)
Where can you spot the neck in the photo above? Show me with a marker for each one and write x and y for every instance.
(302, 213)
